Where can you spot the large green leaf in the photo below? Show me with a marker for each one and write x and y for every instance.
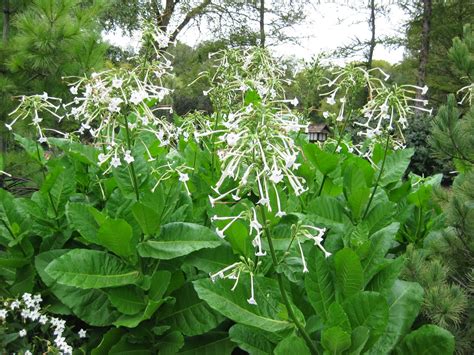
(335, 340)
(109, 339)
(124, 347)
(32, 148)
(324, 161)
(253, 340)
(212, 343)
(84, 153)
(404, 304)
(190, 315)
(233, 304)
(359, 338)
(15, 222)
(61, 184)
(83, 218)
(170, 343)
(131, 321)
(86, 269)
(292, 345)
(318, 283)
(91, 306)
(337, 317)
(355, 189)
(368, 309)
(328, 209)
(349, 275)
(383, 281)
(148, 218)
(116, 236)
(427, 340)
(178, 239)
(127, 299)
(381, 242)
(395, 165)
(209, 260)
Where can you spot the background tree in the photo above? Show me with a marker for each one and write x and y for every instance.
(445, 267)
(48, 40)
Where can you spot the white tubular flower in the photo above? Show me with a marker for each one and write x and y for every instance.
(252, 300)
(220, 232)
(117, 83)
(22, 333)
(257, 243)
(82, 333)
(3, 314)
(128, 157)
(308, 232)
(115, 162)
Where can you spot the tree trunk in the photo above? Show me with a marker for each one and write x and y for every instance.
(262, 23)
(425, 48)
(6, 20)
(372, 43)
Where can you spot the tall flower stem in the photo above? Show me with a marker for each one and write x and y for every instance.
(131, 165)
(283, 293)
(379, 177)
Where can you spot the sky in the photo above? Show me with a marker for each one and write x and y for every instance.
(328, 25)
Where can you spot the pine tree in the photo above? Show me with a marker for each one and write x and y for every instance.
(445, 267)
(49, 40)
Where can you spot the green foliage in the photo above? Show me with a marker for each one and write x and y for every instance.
(130, 248)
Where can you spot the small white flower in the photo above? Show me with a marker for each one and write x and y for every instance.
(115, 162)
(232, 139)
(82, 333)
(128, 157)
(102, 158)
(330, 100)
(22, 332)
(280, 214)
(27, 352)
(138, 96)
(114, 104)
(42, 139)
(43, 319)
(3, 313)
(117, 83)
(424, 90)
(15, 304)
(325, 114)
(73, 90)
(220, 233)
(294, 102)
(183, 177)
(291, 161)
(276, 176)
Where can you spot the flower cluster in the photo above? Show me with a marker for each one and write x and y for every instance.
(35, 107)
(28, 309)
(110, 107)
(234, 271)
(387, 107)
(257, 151)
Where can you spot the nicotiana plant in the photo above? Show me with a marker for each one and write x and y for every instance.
(201, 233)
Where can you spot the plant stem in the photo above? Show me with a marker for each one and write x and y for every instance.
(379, 177)
(131, 165)
(283, 293)
(49, 193)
